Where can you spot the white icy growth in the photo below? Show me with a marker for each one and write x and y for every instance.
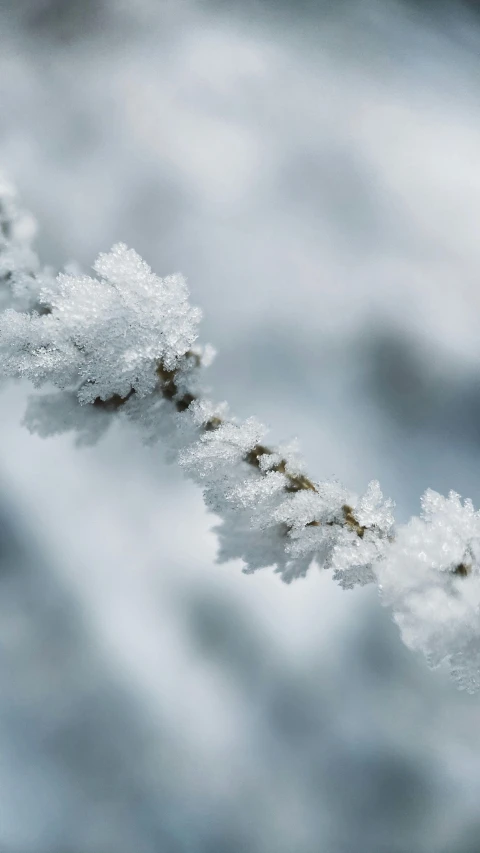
(219, 451)
(103, 336)
(288, 452)
(53, 414)
(266, 525)
(437, 611)
(354, 557)
(320, 528)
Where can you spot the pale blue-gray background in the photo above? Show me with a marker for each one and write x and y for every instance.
(314, 170)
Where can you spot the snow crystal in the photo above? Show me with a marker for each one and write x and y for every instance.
(430, 577)
(287, 453)
(225, 446)
(103, 336)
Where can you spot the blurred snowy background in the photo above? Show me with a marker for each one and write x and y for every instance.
(314, 170)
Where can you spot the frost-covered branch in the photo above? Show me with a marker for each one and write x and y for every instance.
(123, 344)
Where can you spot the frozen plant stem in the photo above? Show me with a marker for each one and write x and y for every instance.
(122, 344)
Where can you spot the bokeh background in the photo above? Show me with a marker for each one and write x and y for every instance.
(313, 168)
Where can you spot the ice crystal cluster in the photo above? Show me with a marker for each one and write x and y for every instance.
(431, 579)
(123, 343)
(105, 335)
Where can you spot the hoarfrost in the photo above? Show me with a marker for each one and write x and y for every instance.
(430, 578)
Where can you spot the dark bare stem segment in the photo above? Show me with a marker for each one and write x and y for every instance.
(463, 570)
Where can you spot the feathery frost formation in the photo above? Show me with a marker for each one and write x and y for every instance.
(431, 580)
(123, 343)
(107, 334)
(274, 515)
